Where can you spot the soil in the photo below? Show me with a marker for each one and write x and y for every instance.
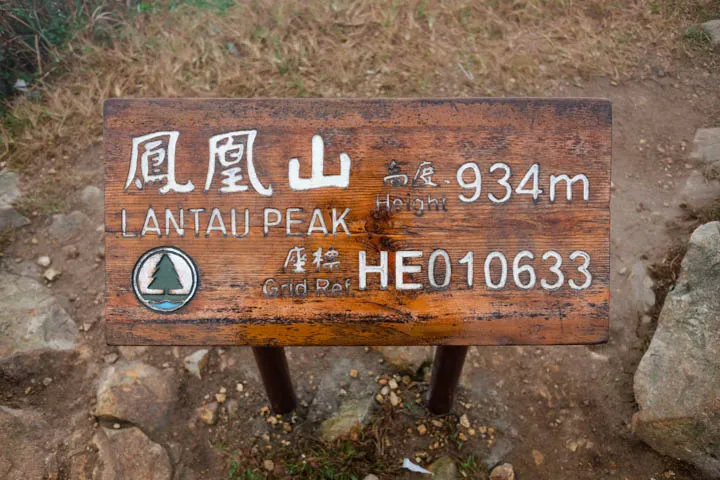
(553, 412)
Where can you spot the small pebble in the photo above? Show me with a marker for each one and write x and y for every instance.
(110, 358)
(503, 472)
(208, 413)
(51, 274)
(44, 261)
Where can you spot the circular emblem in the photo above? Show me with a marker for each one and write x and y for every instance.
(165, 279)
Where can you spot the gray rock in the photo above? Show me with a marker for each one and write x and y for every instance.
(706, 146)
(26, 449)
(137, 393)
(232, 407)
(128, 453)
(641, 288)
(9, 191)
(712, 28)
(132, 352)
(699, 191)
(25, 268)
(500, 449)
(336, 386)
(444, 469)
(72, 226)
(31, 319)
(92, 197)
(9, 194)
(353, 413)
(409, 359)
(503, 472)
(196, 362)
(10, 219)
(371, 477)
(678, 379)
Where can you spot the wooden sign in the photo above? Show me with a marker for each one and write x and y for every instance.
(357, 222)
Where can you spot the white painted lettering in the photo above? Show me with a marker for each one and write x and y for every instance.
(431, 268)
(216, 217)
(170, 220)
(150, 217)
(364, 269)
(289, 222)
(266, 219)
(503, 272)
(555, 179)
(317, 217)
(233, 223)
(401, 269)
(123, 215)
(318, 179)
(196, 217)
(339, 221)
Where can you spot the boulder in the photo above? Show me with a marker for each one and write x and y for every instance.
(31, 319)
(353, 413)
(72, 226)
(444, 469)
(706, 146)
(678, 379)
(699, 191)
(409, 359)
(10, 219)
(503, 472)
(127, 453)
(712, 28)
(9, 194)
(137, 393)
(26, 449)
(92, 197)
(9, 191)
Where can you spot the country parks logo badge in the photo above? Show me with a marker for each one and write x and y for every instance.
(165, 279)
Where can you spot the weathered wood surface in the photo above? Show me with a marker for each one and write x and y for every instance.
(561, 136)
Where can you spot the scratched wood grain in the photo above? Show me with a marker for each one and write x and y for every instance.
(570, 136)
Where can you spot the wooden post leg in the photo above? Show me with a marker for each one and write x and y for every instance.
(273, 366)
(447, 367)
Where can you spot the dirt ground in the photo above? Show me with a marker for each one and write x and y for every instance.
(553, 412)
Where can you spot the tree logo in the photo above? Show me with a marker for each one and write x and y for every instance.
(165, 279)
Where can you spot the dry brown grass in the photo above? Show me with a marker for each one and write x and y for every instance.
(341, 48)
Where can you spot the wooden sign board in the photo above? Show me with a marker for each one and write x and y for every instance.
(357, 222)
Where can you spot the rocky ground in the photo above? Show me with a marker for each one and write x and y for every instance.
(73, 407)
